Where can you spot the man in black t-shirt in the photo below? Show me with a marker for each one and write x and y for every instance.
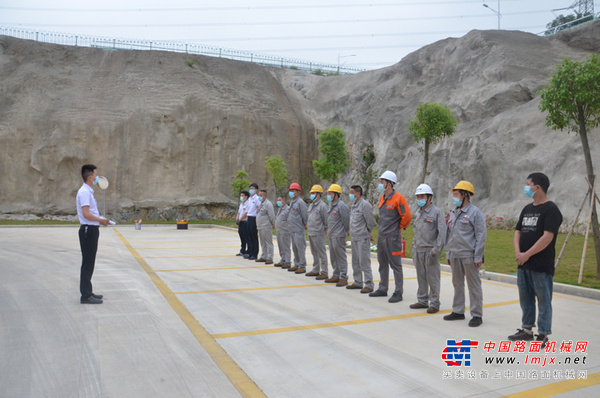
(535, 240)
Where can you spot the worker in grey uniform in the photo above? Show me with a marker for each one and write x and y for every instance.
(317, 230)
(338, 223)
(265, 222)
(394, 215)
(362, 223)
(297, 220)
(430, 234)
(283, 234)
(465, 242)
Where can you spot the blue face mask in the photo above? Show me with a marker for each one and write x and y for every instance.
(252, 191)
(279, 203)
(421, 202)
(457, 202)
(329, 198)
(96, 180)
(241, 198)
(260, 199)
(352, 197)
(528, 192)
(291, 194)
(381, 188)
(313, 196)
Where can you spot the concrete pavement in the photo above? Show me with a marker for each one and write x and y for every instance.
(183, 316)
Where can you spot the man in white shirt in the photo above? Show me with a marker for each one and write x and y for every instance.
(252, 208)
(90, 220)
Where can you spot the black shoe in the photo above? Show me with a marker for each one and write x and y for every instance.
(543, 338)
(453, 316)
(378, 293)
(240, 254)
(98, 296)
(396, 297)
(251, 258)
(522, 335)
(475, 321)
(91, 300)
(246, 256)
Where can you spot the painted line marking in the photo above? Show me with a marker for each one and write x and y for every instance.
(345, 323)
(211, 269)
(240, 380)
(223, 255)
(561, 387)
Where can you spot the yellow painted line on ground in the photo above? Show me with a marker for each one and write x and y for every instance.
(344, 323)
(240, 380)
(222, 255)
(175, 241)
(562, 387)
(583, 300)
(211, 269)
(250, 289)
(186, 248)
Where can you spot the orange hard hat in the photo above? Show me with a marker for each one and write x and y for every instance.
(295, 186)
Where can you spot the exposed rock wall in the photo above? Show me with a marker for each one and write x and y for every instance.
(170, 135)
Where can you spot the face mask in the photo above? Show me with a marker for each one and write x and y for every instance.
(291, 194)
(241, 198)
(96, 180)
(381, 188)
(352, 197)
(421, 202)
(251, 191)
(313, 196)
(457, 202)
(528, 192)
(329, 198)
(279, 203)
(260, 199)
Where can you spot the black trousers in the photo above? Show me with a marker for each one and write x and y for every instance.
(243, 232)
(253, 235)
(88, 241)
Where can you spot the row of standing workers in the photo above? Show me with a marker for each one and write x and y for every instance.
(463, 234)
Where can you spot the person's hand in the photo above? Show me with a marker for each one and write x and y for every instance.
(432, 253)
(522, 258)
(371, 238)
(104, 221)
(479, 264)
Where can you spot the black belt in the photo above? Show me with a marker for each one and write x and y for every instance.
(90, 225)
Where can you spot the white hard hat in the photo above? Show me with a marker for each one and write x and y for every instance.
(389, 175)
(424, 189)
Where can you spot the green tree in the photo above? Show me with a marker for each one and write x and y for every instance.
(433, 122)
(239, 184)
(563, 22)
(277, 168)
(572, 100)
(332, 145)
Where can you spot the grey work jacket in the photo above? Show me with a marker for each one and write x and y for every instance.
(466, 233)
(298, 216)
(362, 221)
(282, 217)
(265, 217)
(338, 220)
(430, 230)
(317, 218)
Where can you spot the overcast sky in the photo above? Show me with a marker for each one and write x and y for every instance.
(359, 33)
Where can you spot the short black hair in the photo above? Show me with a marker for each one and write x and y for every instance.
(245, 193)
(254, 185)
(87, 170)
(263, 190)
(540, 179)
(358, 189)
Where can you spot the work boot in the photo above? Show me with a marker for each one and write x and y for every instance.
(91, 300)
(260, 260)
(366, 290)
(475, 321)
(522, 335)
(454, 316)
(377, 293)
(432, 310)
(321, 277)
(285, 266)
(300, 271)
(396, 297)
(269, 262)
(354, 286)
(292, 269)
(416, 306)
(312, 273)
(342, 282)
(333, 279)
(278, 264)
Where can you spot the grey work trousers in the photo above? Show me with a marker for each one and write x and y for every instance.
(428, 278)
(266, 243)
(361, 262)
(299, 248)
(389, 255)
(284, 240)
(339, 261)
(461, 268)
(319, 252)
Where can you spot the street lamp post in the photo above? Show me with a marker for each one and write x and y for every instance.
(495, 12)
(343, 56)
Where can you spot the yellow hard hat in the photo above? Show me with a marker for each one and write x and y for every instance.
(316, 188)
(335, 188)
(465, 186)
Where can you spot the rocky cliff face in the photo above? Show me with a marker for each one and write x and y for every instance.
(167, 134)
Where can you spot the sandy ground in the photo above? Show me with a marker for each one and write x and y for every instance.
(183, 316)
